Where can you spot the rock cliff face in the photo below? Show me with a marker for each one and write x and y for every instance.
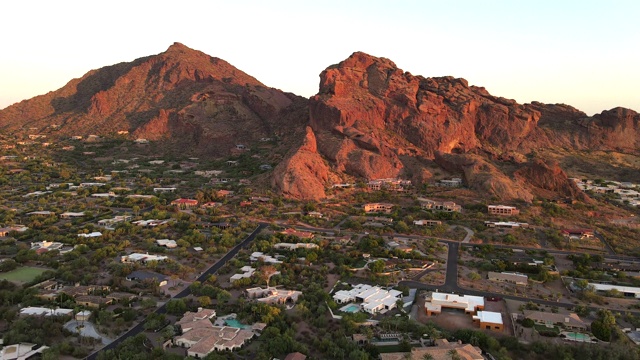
(372, 120)
(190, 100)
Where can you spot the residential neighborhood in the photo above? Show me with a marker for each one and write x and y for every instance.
(171, 262)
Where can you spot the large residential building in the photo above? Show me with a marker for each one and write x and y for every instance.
(502, 210)
(509, 277)
(201, 337)
(378, 207)
(272, 295)
(470, 304)
(373, 298)
(445, 206)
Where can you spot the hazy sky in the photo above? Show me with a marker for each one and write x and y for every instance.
(582, 53)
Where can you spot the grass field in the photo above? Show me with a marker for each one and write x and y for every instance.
(22, 275)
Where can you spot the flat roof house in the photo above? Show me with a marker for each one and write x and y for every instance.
(502, 210)
(470, 304)
(378, 207)
(489, 320)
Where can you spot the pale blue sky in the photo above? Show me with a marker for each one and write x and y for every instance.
(582, 53)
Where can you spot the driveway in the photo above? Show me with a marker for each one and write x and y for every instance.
(86, 329)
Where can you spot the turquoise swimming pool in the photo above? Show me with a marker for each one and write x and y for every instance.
(578, 337)
(351, 308)
(236, 324)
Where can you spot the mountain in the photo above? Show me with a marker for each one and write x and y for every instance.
(188, 99)
(369, 120)
(372, 120)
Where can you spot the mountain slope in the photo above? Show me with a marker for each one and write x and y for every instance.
(183, 96)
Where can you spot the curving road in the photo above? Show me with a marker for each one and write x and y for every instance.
(138, 328)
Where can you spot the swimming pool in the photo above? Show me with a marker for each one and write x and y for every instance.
(351, 308)
(236, 324)
(573, 336)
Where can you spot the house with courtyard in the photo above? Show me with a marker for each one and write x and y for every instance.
(372, 299)
(141, 258)
(437, 301)
(271, 295)
(201, 337)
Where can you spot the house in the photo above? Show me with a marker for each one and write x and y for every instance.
(109, 194)
(150, 276)
(22, 351)
(505, 224)
(265, 167)
(444, 206)
(427, 222)
(454, 182)
(108, 223)
(93, 301)
(41, 213)
(315, 214)
(470, 304)
(378, 207)
(141, 141)
(295, 356)
(17, 228)
(141, 258)
(441, 351)
(291, 246)
(502, 210)
(224, 193)
(509, 277)
(489, 320)
(571, 321)
(247, 271)
(184, 203)
(373, 298)
(42, 311)
(232, 163)
(44, 246)
(164, 190)
(169, 244)
(258, 256)
(69, 215)
(271, 295)
(91, 234)
(201, 337)
(300, 234)
(83, 315)
(627, 291)
(577, 234)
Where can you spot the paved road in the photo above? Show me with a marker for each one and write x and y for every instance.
(137, 329)
(86, 329)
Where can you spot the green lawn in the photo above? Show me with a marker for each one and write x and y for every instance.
(22, 275)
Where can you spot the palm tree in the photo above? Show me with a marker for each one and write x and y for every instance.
(427, 357)
(453, 353)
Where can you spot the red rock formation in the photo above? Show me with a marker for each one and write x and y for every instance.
(303, 174)
(549, 180)
(484, 177)
(182, 96)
